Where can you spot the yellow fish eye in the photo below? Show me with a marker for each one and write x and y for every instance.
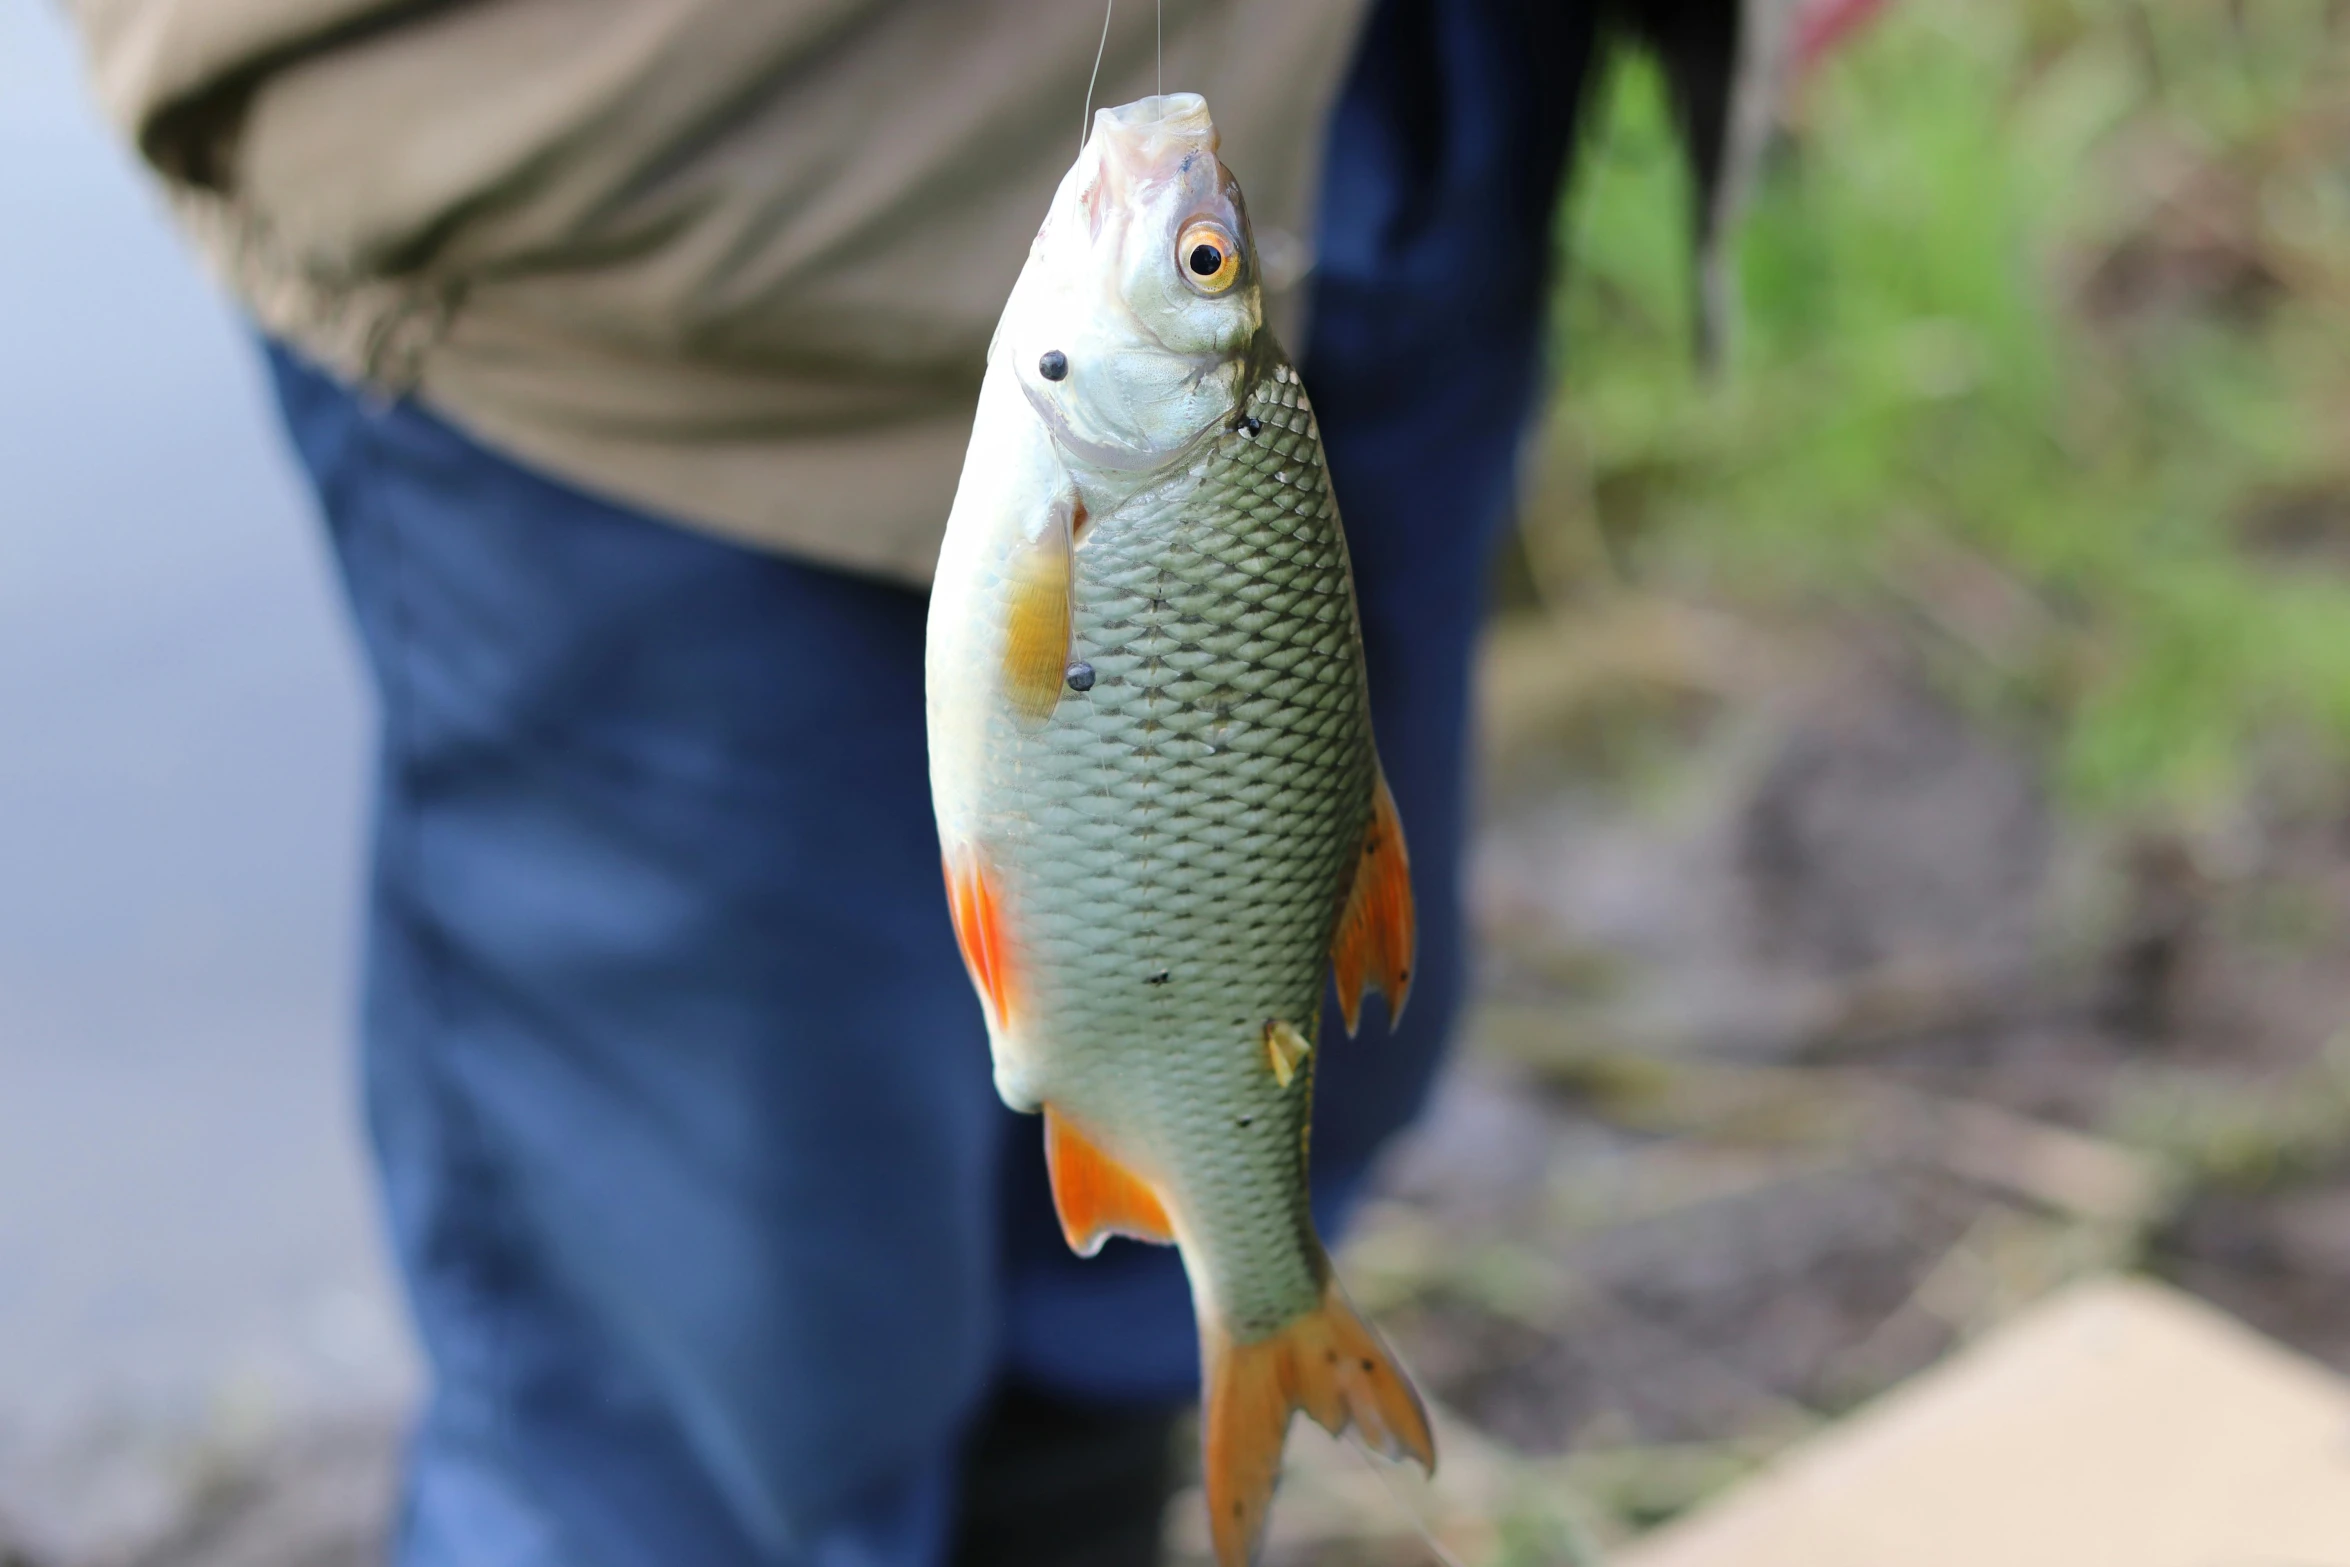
(1208, 256)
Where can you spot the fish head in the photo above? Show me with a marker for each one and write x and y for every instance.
(1132, 326)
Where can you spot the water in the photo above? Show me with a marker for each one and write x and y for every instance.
(183, 1216)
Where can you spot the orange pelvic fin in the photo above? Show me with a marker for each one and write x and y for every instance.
(1328, 1363)
(1378, 928)
(1038, 616)
(978, 914)
(1096, 1196)
(1285, 1050)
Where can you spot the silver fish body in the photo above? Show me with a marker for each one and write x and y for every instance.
(1159, 798)
(1178, 840)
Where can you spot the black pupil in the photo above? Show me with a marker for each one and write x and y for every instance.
(1206, 260)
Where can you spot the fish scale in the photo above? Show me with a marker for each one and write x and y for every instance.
(1206, 799)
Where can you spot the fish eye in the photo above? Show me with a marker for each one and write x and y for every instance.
(1208, 256)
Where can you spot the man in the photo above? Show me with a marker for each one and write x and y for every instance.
(631, 345)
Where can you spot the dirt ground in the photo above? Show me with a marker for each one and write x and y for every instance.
(1812, 1039)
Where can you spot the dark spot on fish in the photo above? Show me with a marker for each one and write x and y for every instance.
(1079, 675)
(1053, 365)
(1371, 1366)
(1160, 978)
(1246, 1121)
(1247, 425)
(1239, 1509)
(1332, 1354)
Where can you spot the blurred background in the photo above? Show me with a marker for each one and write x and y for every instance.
(190, 1290)
(1916, 841)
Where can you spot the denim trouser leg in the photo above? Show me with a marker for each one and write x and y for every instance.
(680, 1100)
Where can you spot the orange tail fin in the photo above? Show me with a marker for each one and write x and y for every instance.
(1328, 1363)
(1378, 928)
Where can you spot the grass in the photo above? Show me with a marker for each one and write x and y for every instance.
(2046, 333)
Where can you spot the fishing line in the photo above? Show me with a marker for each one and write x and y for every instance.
(1108, 10)
(1403, 1503)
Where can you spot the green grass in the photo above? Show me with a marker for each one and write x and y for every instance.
(1934, 363)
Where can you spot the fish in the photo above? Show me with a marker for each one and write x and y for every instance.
(1162, 816)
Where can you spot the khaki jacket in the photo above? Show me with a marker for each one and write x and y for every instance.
(733, 261)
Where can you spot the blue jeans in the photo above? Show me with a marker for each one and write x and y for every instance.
(713, 1229)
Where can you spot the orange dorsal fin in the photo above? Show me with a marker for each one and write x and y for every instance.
(1328, 1363)
(978, 913)
(1377, 929)
(1096, 1196)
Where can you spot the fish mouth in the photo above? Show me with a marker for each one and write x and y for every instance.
(1156, 138)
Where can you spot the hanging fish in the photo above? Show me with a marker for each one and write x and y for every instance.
(1161, 813)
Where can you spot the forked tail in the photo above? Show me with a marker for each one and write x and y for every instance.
(1328, 1363)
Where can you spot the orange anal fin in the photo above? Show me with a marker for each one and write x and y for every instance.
(1096, 1196)
(1038, 617)
(1328, 1363)
(977, 910)
(1378, 928)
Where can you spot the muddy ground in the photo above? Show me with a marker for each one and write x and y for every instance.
(1813, 1039)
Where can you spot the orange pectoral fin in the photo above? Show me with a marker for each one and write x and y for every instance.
(1378, 929)
(1039, 617)
(1096, 1196)
(979, 930)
